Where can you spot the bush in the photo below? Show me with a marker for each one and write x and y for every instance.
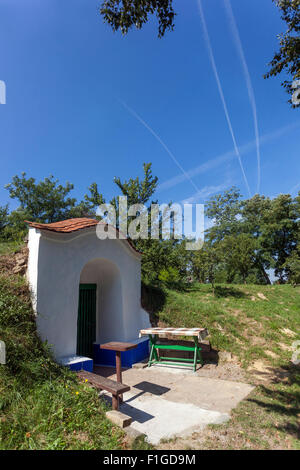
(170, 277)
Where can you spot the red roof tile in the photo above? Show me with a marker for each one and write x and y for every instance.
(65, 226)
(70, 225)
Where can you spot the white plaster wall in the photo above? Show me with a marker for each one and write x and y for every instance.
(32, 269)
(59, 262)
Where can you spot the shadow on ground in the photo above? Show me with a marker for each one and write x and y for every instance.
(209, 355)
(281, 396)
(221, 291)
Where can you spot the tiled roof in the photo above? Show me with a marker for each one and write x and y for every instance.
(65, 226)
(70, 225)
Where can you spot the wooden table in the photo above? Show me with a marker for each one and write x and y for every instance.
(118, 347)
(198, 334)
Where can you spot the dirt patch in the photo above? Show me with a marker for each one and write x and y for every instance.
(227, 371)
(261, 296)
(288, 332)
(15, 263)
(257, 341)
(236, 312)
(251, 331)
(262, 372)
(272, 354)
(285, 347)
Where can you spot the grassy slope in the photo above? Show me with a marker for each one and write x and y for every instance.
(253, 329)
(238, 319)
(42, 405)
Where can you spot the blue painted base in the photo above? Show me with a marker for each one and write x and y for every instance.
(77, 363)
(104, 357)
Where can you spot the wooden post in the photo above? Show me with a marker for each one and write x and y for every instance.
(115, 402)
(119, 370)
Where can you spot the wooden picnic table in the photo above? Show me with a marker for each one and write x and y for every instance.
(118, 347)
(198, 334)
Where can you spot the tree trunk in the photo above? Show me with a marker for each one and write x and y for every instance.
(265, 275)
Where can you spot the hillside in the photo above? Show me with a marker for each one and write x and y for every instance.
(257, 325)
(249, 321)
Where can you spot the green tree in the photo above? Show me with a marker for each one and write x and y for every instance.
(124, 14)
(254, 218)
(287, 59)
(16, 228)
(238, 252)
(45, 201)
(170, 276)
(205, 264)
(292, 266)
(3, 218)
(224, 210)
(92, 200)
(279, 232)
(138, 191)
(158, 254)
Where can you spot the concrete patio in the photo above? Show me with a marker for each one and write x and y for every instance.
(166, 402)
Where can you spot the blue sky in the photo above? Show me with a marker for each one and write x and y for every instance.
(86, 104)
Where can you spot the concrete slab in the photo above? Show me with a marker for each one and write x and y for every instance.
(166, 402)
(163, 419)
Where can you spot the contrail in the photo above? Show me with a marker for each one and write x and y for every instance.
(161, 142)
(238, 43)
(227, 156)
(294, 188)
(213, 63)
(205, 192)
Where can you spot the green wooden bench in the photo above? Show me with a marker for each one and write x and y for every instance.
(155, 346)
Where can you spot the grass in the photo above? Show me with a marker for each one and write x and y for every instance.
(251, 321)
(42, 405)
(7, 248)
(257, 324)
(267, 419)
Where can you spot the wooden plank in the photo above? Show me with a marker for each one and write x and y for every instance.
(118, 346)
(102, 382)
(200, 333)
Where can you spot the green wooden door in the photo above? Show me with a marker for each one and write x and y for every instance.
(86, 321)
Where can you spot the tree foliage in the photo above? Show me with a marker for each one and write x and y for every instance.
(287, 58)
(46, 201)
(246, 238)
(254, 234)
(138, 191)
(3, 217)
(206, 263)
(124, 14)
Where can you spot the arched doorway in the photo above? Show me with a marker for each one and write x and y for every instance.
(100, 305)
